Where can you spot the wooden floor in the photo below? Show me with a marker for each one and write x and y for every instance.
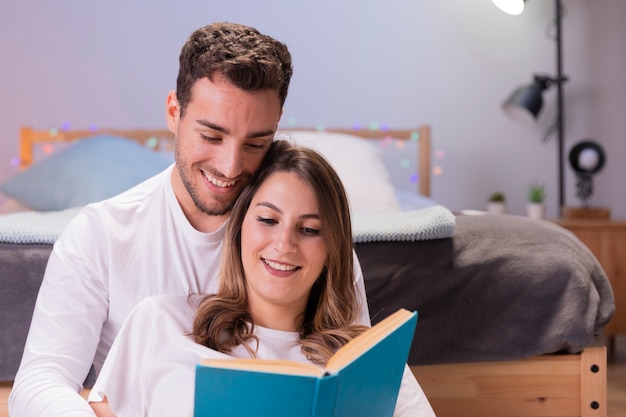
(616, 386)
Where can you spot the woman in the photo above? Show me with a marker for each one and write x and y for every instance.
(286, 292)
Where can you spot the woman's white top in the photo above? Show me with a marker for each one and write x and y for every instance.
(150, 369)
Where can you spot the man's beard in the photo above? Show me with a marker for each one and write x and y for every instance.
(220, 208)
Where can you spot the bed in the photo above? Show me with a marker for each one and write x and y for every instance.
(511, 309)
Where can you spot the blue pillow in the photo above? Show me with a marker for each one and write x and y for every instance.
(89, 170)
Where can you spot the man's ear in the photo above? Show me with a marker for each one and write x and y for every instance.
(172, 112)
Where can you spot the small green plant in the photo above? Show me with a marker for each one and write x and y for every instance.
(536, 193)
(497, 197)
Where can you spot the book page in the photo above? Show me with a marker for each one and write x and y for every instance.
(268, 366)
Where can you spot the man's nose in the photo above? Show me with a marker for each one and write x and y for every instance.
(230, 163)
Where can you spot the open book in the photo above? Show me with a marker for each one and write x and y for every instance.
(362, 379)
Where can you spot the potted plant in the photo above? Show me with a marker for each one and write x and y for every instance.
(496, 203)
(536, 207)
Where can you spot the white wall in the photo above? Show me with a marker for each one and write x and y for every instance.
(448, 63)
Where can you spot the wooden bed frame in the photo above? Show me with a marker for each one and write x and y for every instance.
(163, 139)
(31, 138)
(564, 385)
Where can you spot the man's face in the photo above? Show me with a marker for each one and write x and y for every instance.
(220, 143)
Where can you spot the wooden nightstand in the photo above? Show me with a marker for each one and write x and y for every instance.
(607, 240)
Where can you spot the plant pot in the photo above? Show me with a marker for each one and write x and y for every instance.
(536, 210)
(496, 207)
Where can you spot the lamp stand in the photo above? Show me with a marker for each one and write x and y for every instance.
(560, 106)
(567, 212)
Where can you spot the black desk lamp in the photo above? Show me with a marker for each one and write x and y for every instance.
(526, 102)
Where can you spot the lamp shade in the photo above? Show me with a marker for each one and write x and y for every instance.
(526, 102)
(513, 7)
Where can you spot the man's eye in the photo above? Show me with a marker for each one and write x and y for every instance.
(210, 139)
(256, 146)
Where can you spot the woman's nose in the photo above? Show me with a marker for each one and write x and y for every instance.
(284, 241)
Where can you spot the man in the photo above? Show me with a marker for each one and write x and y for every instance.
(163, 236)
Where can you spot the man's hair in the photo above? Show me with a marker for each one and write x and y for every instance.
(244, 56)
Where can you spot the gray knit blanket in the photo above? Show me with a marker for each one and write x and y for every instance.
(34, 227)
(436, 222)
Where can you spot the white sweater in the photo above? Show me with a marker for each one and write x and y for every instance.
(112, 255)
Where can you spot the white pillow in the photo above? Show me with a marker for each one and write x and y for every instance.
(359, 166)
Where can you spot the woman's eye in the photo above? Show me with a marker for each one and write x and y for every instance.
(310, 231)
(266, 220)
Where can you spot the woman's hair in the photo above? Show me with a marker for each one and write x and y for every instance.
(247, 58)
(223, 321)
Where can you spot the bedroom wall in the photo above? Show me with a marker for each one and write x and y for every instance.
(448, 63)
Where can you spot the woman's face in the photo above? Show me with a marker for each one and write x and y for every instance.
(282, 249)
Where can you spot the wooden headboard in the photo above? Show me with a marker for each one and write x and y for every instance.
(30, 138)
(164, 139)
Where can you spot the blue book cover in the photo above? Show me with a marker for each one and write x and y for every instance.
(362, 379)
